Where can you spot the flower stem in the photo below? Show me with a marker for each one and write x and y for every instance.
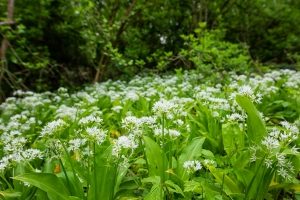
(88, 176)
(163, 144)
(70, 161)
(95, 166)
(65, 172)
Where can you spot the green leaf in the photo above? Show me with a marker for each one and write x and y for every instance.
(157, 160)
(156, 192)
(190, 152)
(232, 136)
(50, 183)
(256, 129)
(244, 175)
(192, 186)
(242, 160)
(293, 186)
(76, 188)
(222, 178)
(174, 188)
(105, 176)
(10, 194)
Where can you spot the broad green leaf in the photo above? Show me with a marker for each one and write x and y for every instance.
(10, 194)
(210, 194)
(244, 175)
(192, 186)
(41, 195)
(293, 186)
(228, 138)
(256, 129)
(75, 198)
(126, 195)
(122, 171)
(190, 152)
(157, 160)
(238, 196)
(233, 137)
(242, 160)
(222, 178)
(76, 188)
(156, 192)
(50, 183)
(173, 187)
(105, 177)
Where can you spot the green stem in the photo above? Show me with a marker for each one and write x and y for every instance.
(65, 172)
(163, 144)
(252, 180)
(88, 176)
(8, 184)
(70, 161)
(222, 183)
(95, 175)
(170, 154)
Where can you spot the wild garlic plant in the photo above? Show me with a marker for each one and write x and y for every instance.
(178, 136)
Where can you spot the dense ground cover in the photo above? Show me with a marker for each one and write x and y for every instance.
(180, 136)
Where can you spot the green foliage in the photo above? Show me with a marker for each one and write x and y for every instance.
(67, 43)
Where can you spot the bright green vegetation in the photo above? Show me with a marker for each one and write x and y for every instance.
(182, 136)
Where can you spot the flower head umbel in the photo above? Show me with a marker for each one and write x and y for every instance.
(192, 166)
(124, 143)
(168, 109)
(54, 127)
(90, 120)
(95, 134)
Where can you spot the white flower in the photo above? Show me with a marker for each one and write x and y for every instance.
(96, 135)
(208, 162)
(283, 172)
(53, 127)
(192, 166)
(271, 143)
(167, 108)
(75, 144)
(31, 154)
(281, 159)
(117, 109)
(124, 142)
(173, 134)
(91, 119)
(268, 162)
(295, 150)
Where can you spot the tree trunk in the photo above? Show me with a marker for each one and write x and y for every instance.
(4, 44)
(10, 16)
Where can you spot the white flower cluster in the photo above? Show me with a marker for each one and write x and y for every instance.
(168, 109)
(246, 90)
(53, 128)
(192, 166)
(95, 134)
(135, 125)
(91, 119)
(271, 144)
(124, 143)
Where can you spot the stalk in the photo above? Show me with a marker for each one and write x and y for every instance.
(95, 175)
(222, 183)
(88, 176)
(70, 161)
(252, 180)
(170, 155)
(163, 143)
(65, 172)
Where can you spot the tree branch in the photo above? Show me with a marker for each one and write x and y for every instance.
(8, 23)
